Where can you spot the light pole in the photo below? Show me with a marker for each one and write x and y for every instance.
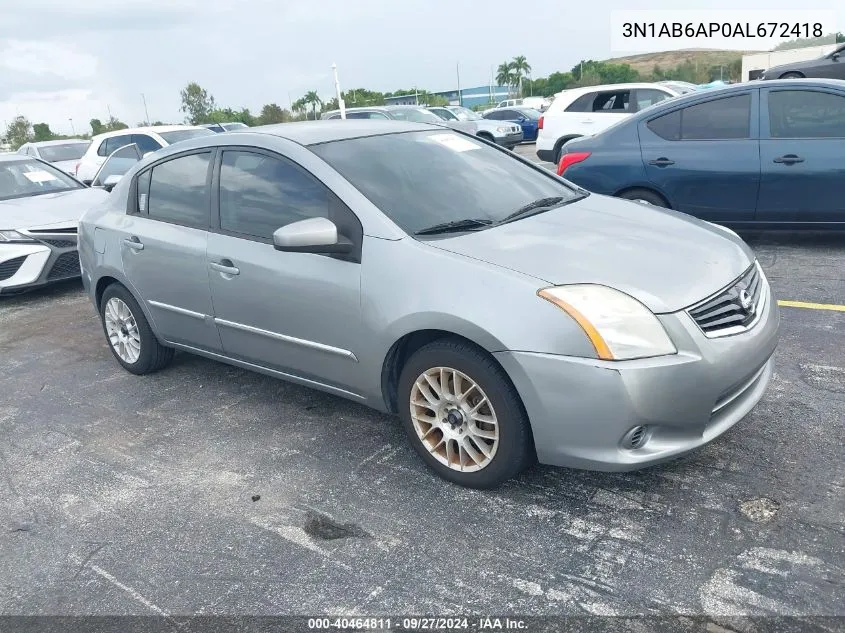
(146, 114)
(72, 130)
(340, 103)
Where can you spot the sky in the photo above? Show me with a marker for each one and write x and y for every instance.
(65, 62)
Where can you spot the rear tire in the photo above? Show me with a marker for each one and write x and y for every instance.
(463, 416)
(129, 335)
(644, 195)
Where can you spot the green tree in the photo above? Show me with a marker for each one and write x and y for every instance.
(97, 127)
(115, 124)
(18, 132)
(556, 82)
(520, 68)
(313, 99)
(505, 75)
(273, 113)
(197, 104)
(42, 132)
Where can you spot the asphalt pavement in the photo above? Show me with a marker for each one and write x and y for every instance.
(207, 489)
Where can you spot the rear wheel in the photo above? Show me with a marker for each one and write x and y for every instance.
(128, 333)
(463, 416)
(644, 195)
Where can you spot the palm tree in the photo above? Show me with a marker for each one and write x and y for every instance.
(312, 98)
(521, 68)
(504, 75)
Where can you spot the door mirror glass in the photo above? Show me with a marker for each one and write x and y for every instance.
(314, 235)
(117, 164)
(110, 181)
(835, 57)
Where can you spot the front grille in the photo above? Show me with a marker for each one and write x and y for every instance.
(66, 265)
(10, 267)
(731, 310)
(60, 243)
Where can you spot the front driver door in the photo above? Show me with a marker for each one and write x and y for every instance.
(298, 313)
(163, 245)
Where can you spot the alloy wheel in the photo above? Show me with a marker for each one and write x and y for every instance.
(122, 330)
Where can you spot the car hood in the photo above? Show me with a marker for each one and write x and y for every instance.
(64, 207)
(464, 126)
(665, 259)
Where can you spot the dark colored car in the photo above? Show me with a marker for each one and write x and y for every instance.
(527, 118)
(830, 66)
(750, 155)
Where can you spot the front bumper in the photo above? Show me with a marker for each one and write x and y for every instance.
(581, 409)
(29, 266)
(509, 140)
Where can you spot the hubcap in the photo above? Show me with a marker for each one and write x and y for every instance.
(454, 419)
(122, 330)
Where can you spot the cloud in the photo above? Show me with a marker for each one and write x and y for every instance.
(46, 58)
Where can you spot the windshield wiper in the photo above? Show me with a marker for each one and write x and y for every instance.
(538, 206)
(467, 224)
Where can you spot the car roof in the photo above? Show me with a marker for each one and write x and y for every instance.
(381, 108)
(149, 128)
(313, 132)
(63, 141)
(9, 157)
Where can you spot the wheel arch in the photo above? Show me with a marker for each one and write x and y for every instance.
(111, 277)
(649, 188)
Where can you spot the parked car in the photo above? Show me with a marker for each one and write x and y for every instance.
(585, 111)
(682, 87)
(373, 259)
(710, 154)
(830, 66)
(226, 127)
(63, 154)
(40, 207)
(538, 103)
(505, 135)
(148, 139)
(417, 114)
(527, 118)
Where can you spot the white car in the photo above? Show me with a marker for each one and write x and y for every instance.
(148, 139)
(538, 103)
(590, 110)
(63, 154)
(40, 207)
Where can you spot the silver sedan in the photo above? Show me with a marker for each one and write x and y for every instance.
(502, 313)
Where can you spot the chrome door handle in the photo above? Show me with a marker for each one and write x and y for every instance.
(789, 159)
(134, 243)
(661, 162)
(225, 267)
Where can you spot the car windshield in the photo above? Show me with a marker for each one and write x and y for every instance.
(24, 178)
(183, 135)
(234, 126)
(444, 114)
(422, 179)
(528, 112)
(465, 114)
(65, 151)
(417, 115)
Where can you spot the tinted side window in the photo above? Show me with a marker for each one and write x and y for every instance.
(179, 190)
(584, 103)
(260, 193)
(667, 126)
(806, 114)
(508, 115)
(726, 118)
(116, 142)
(648, 96)
(495, 116)
(612, 101)
(357, 115)
(101, 150)
(145, 143)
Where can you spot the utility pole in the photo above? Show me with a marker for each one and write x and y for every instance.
(340, 103)
(460, 96)
(146, 114)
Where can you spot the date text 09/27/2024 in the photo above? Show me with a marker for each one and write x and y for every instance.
(763, 30)
(417, 624)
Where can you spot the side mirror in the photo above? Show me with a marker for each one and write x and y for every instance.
(314, 235)
(110, 182)
(835, 57)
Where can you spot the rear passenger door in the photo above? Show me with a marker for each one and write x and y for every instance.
(802, 147)
(705, 157)
(164, 238)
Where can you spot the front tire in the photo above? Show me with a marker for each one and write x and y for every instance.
(463, 415)
(129, 335)
(644, 195)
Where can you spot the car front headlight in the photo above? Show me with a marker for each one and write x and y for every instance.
(504, 130)
(15, 237)
(618, 326)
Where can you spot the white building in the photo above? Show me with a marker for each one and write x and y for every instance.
(753, 65)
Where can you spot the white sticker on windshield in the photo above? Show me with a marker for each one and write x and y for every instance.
(454, 142)
(39, 176)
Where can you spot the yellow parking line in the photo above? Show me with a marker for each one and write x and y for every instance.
(812, 306)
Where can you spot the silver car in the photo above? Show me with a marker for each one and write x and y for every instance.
(64, 154)
(503, 133)
(40, 207)
(502, 313)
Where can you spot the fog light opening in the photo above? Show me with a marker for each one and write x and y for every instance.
(635, 438)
